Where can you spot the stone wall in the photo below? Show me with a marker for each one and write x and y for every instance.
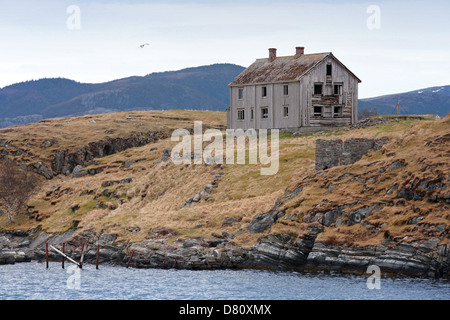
(335, 152)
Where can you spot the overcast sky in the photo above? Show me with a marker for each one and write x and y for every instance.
(393, 47)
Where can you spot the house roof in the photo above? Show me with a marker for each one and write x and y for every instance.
(290, 68)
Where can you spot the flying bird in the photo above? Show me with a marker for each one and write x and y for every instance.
(145, 44)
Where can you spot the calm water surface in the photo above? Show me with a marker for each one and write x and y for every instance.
(31, 281)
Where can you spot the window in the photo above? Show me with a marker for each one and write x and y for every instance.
(240, 93)
(265, 113)
(285, 90)
(264, 91)
(317, 111)
(318, 88)
(285, 111)
(241, 115)
(252, 114)
(338, 89)
(329, 69)
(337, 112)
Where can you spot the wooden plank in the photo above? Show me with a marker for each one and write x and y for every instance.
(65, 256)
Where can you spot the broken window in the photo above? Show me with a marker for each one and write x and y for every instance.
(337, 112)
(264, 91)
(317, 111)
(338, 89)
(318, 88)
(241, 114)
(265, 113)
(285, 90)
(285, 111)
(252, 114)
(329, 69)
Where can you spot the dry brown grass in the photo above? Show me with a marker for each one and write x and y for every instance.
(157, 194)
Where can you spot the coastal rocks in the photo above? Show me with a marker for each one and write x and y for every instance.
(281, 251)
(419, 258)
(11, 257)
(276, 251)
(14, 247)
(196, 254)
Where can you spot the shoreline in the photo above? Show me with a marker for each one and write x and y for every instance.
(272, 252)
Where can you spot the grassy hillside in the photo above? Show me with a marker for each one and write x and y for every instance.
(139, 196)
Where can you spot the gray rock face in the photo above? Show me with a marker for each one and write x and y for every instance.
(263, 221)
(418, 258)
(281, 251)
(78, 172)
(66, 160)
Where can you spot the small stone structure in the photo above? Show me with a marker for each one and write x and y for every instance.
(335, 152)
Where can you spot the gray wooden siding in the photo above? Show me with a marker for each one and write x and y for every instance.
(300, 101)
(348, 101)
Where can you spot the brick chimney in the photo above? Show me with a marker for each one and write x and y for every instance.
(272, 54)
(299, 50)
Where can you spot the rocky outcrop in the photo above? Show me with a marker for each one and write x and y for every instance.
(433, 189)
(75, 159)
(14, 247)
(205, 193)
(418, 258)
(280, 252)
(263, 221)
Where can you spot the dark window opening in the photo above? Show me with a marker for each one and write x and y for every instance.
(285, 112)
(317, 111)
(285, 89)
(264, 91)
(329, 69)
(337, 112)
(252, 114)
(318, 88)
(338, 89)
(265, 113)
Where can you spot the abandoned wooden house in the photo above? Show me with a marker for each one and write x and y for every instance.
(303, 92)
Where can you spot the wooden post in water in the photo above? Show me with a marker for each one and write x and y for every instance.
(128, 264)
(82, 255)
(63, 246)
(46, 253)
(96, 259)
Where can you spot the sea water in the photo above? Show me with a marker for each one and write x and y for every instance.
(32, 281)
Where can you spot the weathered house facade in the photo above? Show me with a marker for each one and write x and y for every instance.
(300, 92)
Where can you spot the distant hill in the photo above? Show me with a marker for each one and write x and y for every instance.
(435, 100)
(198, 88)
